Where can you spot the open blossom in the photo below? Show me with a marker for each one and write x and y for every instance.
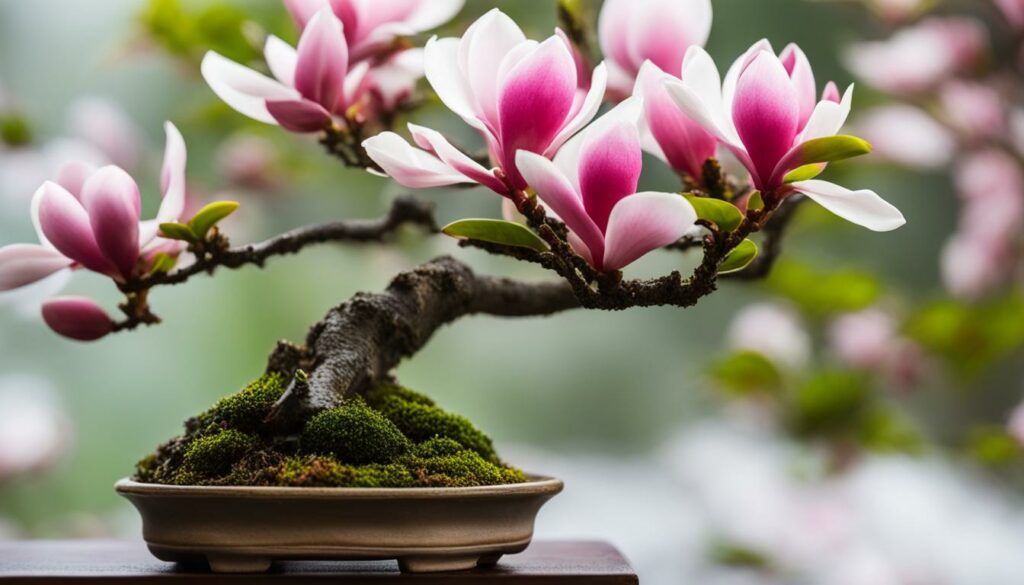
(917, 58)
(592, 187)
(775, 331)
(90, 218)
(517, 93)
(632, 32)
(976, 109)
(373, 25)
(765, 113)
(313, 83)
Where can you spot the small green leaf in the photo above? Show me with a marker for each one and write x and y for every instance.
(162, 263)
(755, 202)
(805, 173)
(723, 214)
(178, 231)
(831, 149)
(210, 216)
(496, 231)
(739, 258)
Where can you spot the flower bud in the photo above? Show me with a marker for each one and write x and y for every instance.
(77, 318)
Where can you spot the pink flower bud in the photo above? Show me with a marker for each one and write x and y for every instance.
(774, 331)
(77, 318)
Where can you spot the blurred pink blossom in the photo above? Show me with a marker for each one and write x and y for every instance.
(906, 135)
(917, 58)
(105, 125)
(870, 340)
(976, 109)
(248, 160)
(971, 268)
(1013, 10)
(1015, 426)
(34, 430)
(773, 330)
(660, 31)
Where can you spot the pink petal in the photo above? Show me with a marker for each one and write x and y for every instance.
(663, 30)
(433, 141)
(644, 222)
(609, 168)
(111, 198)
(410, 166)
(72, 175)
(302, 10)
(536, 99)
(77, 318)
(66, 225)
(767, 114)
(800, 72)
(613, 32)
(557, 192)
(242, 88)
(684, 143)
(588, 109)
(322, 61)
(172, 176)
(831, 93)
(483, 48)
(299, 115)
(24, 264)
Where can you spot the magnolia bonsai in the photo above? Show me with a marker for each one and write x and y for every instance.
(329, 411)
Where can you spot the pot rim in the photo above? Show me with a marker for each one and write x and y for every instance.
(536, 485)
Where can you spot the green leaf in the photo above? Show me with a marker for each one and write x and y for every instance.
(178, 231)
(832, 148)
(992, 446)
(723, 214)
(162, 263)
(805, 173)
(210, 216)
(829, 402)
(496, 231)
(755, 202)
(739, 258)
(820, 293)
(744, 373)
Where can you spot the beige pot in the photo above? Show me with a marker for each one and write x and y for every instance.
(243, 529)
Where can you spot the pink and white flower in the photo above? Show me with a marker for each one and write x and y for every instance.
(592, 186)
(313, 83)
(917, 58)
(906, 135)
(668, 133)
(373, 25)
(517, 93)
(90, 218)
(765, 112)
(632, 32)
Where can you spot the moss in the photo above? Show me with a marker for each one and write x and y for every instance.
(397, 438)
(214, 454)
(247, 409)
(421, 420)
(354, 433)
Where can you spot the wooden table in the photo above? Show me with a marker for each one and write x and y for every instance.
(99, 562)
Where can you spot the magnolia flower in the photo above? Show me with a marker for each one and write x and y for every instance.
(765, 113)
(1015, 426)
(372, 25)
(90, 218)
(517, 93)
(1013, 10)
(668, 133)
(863, 339)
(632, 32)
(917, 58)
(77, 318)
(314, 83)
(906, 135)
(592, 187)
(976, 109)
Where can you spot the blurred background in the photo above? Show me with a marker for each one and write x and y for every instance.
(850, 420)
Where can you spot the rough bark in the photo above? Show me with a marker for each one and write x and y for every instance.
(360, 341)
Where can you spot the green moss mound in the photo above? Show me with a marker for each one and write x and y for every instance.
(395, 438)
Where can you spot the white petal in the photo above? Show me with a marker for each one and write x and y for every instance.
(864, 208)
(281, 58)
(242, 88)
(828, 118)
(411, 167)
(433, 13)
(481, 52)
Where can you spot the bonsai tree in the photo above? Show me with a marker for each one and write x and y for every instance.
(329, 411)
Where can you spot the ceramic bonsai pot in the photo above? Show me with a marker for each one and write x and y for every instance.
(244, 529)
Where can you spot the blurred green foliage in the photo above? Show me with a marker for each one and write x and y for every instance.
(823, 293)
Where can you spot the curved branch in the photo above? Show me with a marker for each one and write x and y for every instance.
(360, 341)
